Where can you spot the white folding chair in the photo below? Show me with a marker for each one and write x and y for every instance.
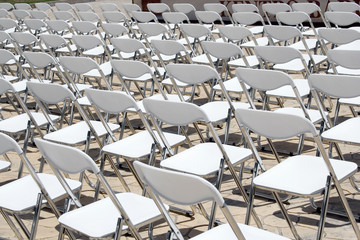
(9, 25)
(205, 159)
(271, 9)
(191, 190)
(110, 217)
(60, 27)
(309, 8)
(43, 6)
(83, 7)
(65, 15)
(250, 19)
(173, 21)
(344, 61)
(63, 6)
(210, 19)
(186, 8)
(340, 38)
(28, 195)
(289, 176)
(109, 7)
(220, 9)
(37, 14)
(56, 45)
(91, 46)
(35, 26)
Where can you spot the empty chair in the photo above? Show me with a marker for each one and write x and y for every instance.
(271, 9)
(37, 14)
(109, 7)
(83, 7)
(201, 189)
(220, 9)
(65, 15)
(184, 7)
(309, 8)
(103, 218)
(158, 8)
(209, 19)
(91, 46)
(7, 6)
(60, 27)
(43, 6)
(35, 26)
(22, 6)
(28, 195)
(340, 38)
(63, 6)
(131, 7)
(173, 21)
(21, 15)
(91, 17)
(289, 175)
(56, 45)
(144, 17)
(9, 25)
(205, 159)
(341, 19)
(344, 61)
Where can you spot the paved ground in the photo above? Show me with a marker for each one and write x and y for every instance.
(304, 216)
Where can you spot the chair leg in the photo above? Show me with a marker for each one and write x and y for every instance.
(324, 207)
(118, 230)
(286, 215)
(251, 196)
(36, 217)
(11, 224)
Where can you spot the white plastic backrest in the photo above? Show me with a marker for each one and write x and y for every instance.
(343, 7)
(152, 29)
(195, 30)
(264, 79)
(282, 33)
(216, 7)
(42, 6)
(221, 50)
(4, 36)
(274, 8)
(244, 7)
(127, 45)
(39, 59)
(345, 58)
(36, 14)
(7, 144)
(112, 102)
(179, 188)
(88, 16)
(4, 13)
(184, 7)
(144, 17)
(7, 23)
(339, 35)
(57, 25)
(64, 15)
(158, 7)
(65, 158)
(192, 73)
(5, 56)
(235, 33)
(78, 65)
(53, 40)
(292, 18)
(342, 18)
(338, 86)
(22, 6)
(87, 41)
(114, 17)
(109, 7)
(207, 16)
(84, 27)
(61, 6)
(306, 7)
(168, 47)
(247, 18)
(175, 17)
(130, 69)
(5, 86)
(131, 7)
(21, 14)
(7, 6)
(35, 24)
(175, 113)
(49, 93)
(83, 7)
(114, 29)
(277, 54)
(274, 125)
(23, 38)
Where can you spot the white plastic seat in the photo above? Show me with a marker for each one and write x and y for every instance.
(341, 19)
(288, 176)
(101, 218)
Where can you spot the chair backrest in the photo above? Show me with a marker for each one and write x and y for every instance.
(274, 8)
(114, 29)
(127, 45)
(248, 18)
(43, 6)
(207, 17)
(35, 26)
(5, 86)
(114, 17)
(235, 33)
(195, 30)
(53, 41)
(222, 50)
(21, 14)
(64, 15)
(175, 113)
(271, 124)
(192, 73)
(78, 65)
(62, 6)
(277, 54)
(86, 42)
(337, 86)
(8, 23)
(282, 33)
(144, 17)
(338, 36)
(168, 47)
(131, 7)
(131, 69)
(109, 7)
(89, 16)
(22, 6)
(152, 29)
(49, 93)
(342, 19)
(83, 7)
(293, 18)
(343, 7)
(4, 13)
(244, 7)
(84, 27)
(219, 8)
(345, 58)
(175, 17)
(37, 14)
(184, 7)
(58, 26)
(306, 7)
(39, 59)
(158, 7)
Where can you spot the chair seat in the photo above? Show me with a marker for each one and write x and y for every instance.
(105, 67)
(99, 219)
(302, 86)
(252, 60)
(350, 46)
(171, 97)
(20, 86)
(202, 59)
(94, 52)
(350, 101)
(19, 123)
(311, 43)
(347, 132)
(77, 133)
(261, 41)
(314, 114)
(9, 78)
(218, 110)
(204, 159)
(168, 82)
(224, 231)
(288, 176)
(4, 166)
(20, 195)
(62, 50)
(256, 29)
(231, 85)
(296, 64)
(345, 71)
(138, 146)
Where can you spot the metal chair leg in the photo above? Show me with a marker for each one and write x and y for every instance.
(324, 207)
